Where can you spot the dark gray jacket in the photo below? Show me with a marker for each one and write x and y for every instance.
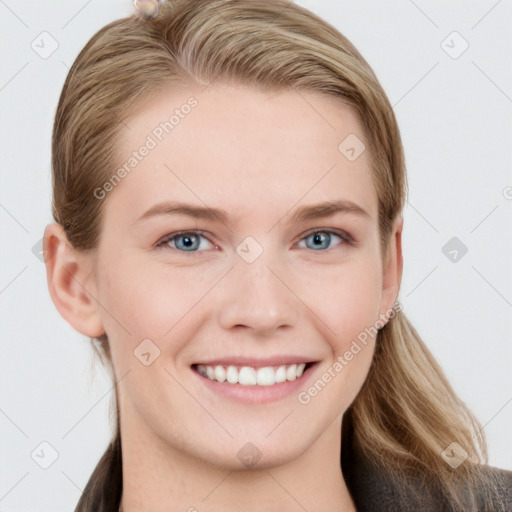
(374, 490)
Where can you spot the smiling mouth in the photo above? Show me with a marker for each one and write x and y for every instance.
(252, 376)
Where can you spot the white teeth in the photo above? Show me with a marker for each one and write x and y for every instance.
(266, 376)
(220, 373)
(249, 376)
(291, 372)
(281, 374)
(232, 375)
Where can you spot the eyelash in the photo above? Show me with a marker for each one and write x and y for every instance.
(346, 239)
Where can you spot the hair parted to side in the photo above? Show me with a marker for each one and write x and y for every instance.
(406, 413)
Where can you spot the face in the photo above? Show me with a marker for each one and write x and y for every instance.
(258, 279)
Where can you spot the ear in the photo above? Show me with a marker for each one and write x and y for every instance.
(71, 282)
(392, 269)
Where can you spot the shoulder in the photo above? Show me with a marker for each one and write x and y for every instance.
(374, 489)
(502, 494)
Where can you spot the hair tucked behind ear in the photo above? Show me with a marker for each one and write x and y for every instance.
(406, 414)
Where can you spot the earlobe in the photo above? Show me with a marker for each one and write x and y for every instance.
(71, 282)
(392, 270)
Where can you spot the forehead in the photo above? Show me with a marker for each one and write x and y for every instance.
(242, 149)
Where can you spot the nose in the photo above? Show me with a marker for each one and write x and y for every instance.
(257, 296)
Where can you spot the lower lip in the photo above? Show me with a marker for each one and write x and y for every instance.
(257, 394)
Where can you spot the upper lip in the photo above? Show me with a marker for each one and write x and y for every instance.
(256, 362)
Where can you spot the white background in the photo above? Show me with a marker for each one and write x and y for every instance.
(455, 117)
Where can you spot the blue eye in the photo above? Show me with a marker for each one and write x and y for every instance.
(322, 239)
(186, 241)
(189, 241)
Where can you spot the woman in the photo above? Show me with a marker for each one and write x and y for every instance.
(228, 183)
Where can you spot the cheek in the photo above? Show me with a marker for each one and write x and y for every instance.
(349, 309)
(348, 302)
(148, 301)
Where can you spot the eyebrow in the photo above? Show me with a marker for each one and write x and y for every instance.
(302, 214)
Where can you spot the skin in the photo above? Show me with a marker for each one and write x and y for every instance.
(259, 156)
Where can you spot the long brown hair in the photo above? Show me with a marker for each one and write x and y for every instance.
(406, 413)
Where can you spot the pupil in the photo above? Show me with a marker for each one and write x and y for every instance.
(320, 239)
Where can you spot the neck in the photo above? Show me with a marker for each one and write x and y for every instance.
(159, 478)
